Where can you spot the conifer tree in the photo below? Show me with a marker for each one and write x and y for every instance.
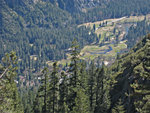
(102, 92)
(83, 76)
(73, 71)
(41, 101)
(81, 100)
(37, 104)
(91, 86)
(119, 108)
(63, 93)
(141, 83)
(45, 87)
(9, 98)
(53, 90)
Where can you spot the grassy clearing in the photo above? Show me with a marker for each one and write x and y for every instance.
(105, 31)
(111, 24)
(132, 19)
(93, 48)
(85, 52)
(88, 56)
(116, 49)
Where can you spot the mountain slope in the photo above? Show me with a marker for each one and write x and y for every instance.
(115, 9)
(137, 32)
(77, 6)
(132, 72)
(38, 29)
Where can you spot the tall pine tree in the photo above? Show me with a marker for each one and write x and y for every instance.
(53, 90)
(9, 98)
(41, 101)
(73, 71)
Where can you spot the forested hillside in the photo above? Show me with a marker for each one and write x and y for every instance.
(42, 30)
(9, 98)
(132, 72)
(137, 32)
(123, 87)
(39, 30)
(78, 6)
(68, 56)
(115, 9)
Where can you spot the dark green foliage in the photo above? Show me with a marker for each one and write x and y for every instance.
(54, 90)
(63, 93)
(40, 31)
(47, 96)
(78, 98)
(102, 101)
(137, 32)
(141, 84)
(9, 98)
(92, 85)
(40, 104)
(45, 88)
(81, 101)
(44, 22)
(94, 27)
(119, 108)
(98, 89)
(74, 63)
(37, 104)
(90, 11)
(133, 79)
(113, 9)
(74, 74)
(123, 87)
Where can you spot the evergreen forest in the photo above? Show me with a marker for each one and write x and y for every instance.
(46, 63)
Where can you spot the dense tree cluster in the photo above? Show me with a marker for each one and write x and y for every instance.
(42, 30)
(131, 90)
(136, 33)
(109, 9)
(72, 91)
(9, 98)
(38, 30)
(123, 87)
